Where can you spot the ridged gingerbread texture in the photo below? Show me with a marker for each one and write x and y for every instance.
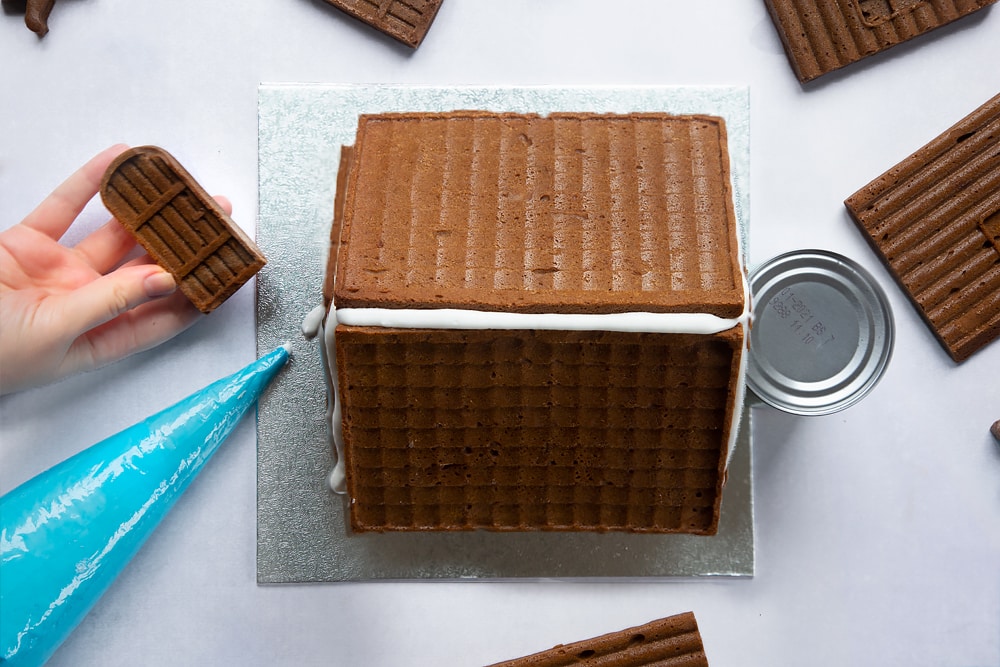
(182, 228)
(536, 430)
(821, 36)
(668, 642)
(934, 220)
(567, 213)
(406, 21)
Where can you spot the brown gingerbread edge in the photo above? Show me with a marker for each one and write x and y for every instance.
(375, 17)
(343, 173)
(674, 640)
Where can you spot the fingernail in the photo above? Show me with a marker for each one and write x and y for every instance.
(159, 284)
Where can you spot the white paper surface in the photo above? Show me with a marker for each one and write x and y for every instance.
(878, 529)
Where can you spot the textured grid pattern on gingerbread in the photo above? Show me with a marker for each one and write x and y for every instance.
(668, 642)
(824, 35)
(935, 221)
(566, 213)
(404, 20)
(452, 430)
(179, 225)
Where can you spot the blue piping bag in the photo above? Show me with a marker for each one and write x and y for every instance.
(67, 533)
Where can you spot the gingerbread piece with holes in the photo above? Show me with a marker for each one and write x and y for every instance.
(674, 641)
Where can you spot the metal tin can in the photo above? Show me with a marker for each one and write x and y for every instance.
(822, 332)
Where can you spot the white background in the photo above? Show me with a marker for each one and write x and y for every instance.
(878, 528)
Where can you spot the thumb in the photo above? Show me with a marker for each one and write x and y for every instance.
(113, 294)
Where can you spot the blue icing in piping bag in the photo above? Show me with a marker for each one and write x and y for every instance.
(67, 533)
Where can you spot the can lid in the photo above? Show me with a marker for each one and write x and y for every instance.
(822, 332)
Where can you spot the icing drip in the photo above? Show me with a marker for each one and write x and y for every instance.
(313, 322)
(318, 323)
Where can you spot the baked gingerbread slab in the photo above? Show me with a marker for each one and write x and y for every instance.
(536, 427)
(674, 641)
(182, 228)
(934, 219)
(821, 36)
(570, 212)
(406, 21)
(535, 430)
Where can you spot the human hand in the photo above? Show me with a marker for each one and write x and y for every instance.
(66, 310)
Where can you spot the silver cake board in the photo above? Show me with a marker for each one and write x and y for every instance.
(302, 535)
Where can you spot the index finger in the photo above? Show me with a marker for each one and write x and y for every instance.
(58, 211)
